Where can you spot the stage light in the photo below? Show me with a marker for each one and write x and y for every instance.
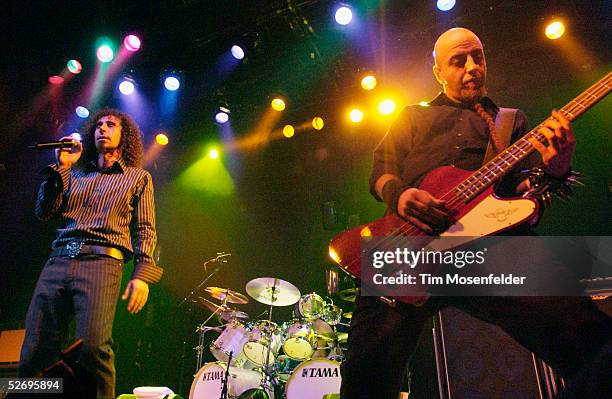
(172, 83)
(424, 104)
(56, 80)
(126, 87)
(368, 82)
(445, 5)
(222, 115)
(82, 112)
(386, 107)
(237, 52)
(317, 123)
(356, 115)
(74, 66)
(343, 15)
(278, 104)
(105, 53)
(288, 131)
(162, 139)
(213, 153)
(555, 30)
(131, 43)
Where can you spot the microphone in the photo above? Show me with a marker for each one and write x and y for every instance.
(221, 256)
(50, 145)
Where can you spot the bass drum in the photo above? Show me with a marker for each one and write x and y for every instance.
(208, 382)
(314, 379)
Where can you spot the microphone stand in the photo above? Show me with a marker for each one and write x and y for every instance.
(220, 258)
(225, 379)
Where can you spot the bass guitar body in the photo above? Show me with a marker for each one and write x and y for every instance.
(484, 215)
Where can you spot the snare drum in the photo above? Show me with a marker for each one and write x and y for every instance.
(208, 382)
(314, 379)
(232, 339)
(263, 334)
(300, 340)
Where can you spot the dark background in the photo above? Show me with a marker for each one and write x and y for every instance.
(273, 220)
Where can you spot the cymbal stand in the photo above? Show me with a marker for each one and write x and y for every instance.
(202, 330)
(267, 374)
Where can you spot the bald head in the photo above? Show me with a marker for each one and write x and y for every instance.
(460, 65)
(451, 38)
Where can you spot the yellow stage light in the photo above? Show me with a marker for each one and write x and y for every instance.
(368, 82)
(161, 139)
(386, 107)
(356, 115)
(214, 153)
(288, 131)
(555, 30)
(278, 104)
(317, 123)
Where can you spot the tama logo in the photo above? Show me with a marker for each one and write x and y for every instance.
(212, 375)
(320, 372)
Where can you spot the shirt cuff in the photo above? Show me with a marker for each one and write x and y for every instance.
(147, 272)
(63, 172)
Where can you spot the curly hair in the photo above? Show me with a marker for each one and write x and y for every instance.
(132, 150)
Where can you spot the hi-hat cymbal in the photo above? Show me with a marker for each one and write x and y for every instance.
(223, 293)
(348, 315)
(224, 311)
(233, 314)
(347, 295)
(273, 291)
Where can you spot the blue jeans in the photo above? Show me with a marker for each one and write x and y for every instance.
(86, 289)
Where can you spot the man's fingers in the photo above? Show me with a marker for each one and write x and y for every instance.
(419, 224)
(126, 293)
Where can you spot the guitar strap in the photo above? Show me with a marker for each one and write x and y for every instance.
(504, 122)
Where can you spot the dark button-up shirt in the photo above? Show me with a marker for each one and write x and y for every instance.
(111, 207)
(423, 138)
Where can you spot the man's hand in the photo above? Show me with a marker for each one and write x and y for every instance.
(423, 210)
(138, 292)
(66, 157)
(557, 155)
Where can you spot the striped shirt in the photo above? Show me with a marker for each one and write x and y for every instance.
(112, 207)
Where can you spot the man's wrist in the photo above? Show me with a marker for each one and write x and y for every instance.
(391, 192)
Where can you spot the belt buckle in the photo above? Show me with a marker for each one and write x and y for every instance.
(74, 248)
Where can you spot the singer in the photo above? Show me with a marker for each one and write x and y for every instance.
(103, 200)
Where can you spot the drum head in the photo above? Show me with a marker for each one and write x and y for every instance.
(313, 379)
(208, 382)
(311, 306)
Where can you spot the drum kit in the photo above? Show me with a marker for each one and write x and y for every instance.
(297, 359)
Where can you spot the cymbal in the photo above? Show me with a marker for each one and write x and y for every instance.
(347, 295)
(223, 293)
(233, 314)
(273, 291)
(348, 315)
(224, 311)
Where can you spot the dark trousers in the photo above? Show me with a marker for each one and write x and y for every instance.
(86, 289)
(566, 332)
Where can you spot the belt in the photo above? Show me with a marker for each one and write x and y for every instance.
(75, 248)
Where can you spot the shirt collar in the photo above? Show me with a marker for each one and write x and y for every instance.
(487, 103)
(117, 167)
